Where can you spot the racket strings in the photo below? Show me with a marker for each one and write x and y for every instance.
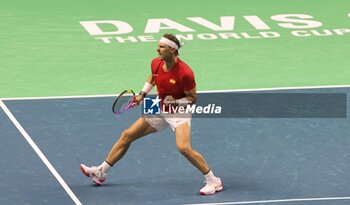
(124, 104)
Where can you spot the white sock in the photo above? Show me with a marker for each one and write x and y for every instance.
(210, 177)
(104, 167)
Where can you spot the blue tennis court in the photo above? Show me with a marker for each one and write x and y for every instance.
(260, 160)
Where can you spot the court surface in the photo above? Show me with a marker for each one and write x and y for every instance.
(63, 62)
(258, 159)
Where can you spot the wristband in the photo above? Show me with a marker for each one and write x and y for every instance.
(146, 89)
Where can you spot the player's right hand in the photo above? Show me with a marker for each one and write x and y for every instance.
(138, 99)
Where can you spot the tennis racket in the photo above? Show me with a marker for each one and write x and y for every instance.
(124, 102)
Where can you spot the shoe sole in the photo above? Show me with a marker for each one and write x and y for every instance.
(97, 182)
(218, 189)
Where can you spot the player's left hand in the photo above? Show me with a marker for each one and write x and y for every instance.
(169, 100)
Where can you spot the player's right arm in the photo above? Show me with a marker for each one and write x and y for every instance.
(150, 82)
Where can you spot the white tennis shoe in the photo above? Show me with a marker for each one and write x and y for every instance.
(96, 174)
(211, 187)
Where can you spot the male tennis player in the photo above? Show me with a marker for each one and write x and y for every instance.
(177, 87)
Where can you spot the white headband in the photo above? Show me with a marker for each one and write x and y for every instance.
(168, 42)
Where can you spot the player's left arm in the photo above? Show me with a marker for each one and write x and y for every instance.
(190, 98)
(189, 86)
(190, 93)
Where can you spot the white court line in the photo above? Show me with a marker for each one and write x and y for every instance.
(275, 201)
(204, 91)
(39, 153)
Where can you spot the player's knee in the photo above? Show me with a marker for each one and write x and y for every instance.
(125, 137)
(184, 149)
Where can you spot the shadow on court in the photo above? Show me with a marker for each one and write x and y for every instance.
(257, 158)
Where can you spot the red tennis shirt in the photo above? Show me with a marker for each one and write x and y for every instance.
(174, 82)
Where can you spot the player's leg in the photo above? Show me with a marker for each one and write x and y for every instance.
(183, 143)
(137, 130)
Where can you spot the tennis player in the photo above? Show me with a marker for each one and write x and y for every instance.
(177, 87)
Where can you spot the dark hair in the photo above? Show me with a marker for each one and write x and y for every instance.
(174, 39)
